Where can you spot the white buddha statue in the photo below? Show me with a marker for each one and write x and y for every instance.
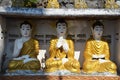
(25, 51)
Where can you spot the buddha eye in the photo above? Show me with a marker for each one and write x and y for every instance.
(101, 29)
(64, 27)
(96, 29)
(59, 27)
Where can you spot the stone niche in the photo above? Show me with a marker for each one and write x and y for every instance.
(79, 30)
(43, 21)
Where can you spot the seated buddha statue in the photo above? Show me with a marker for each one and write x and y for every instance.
(25, 51)
(97, 54)
(61, 51)
(111, 4)
(53, 4)
(80, 4)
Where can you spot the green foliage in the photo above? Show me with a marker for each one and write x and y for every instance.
(34, 1)
(25, 3)
(17, 3)
(30, 3)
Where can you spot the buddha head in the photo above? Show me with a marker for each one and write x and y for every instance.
(53, 2)
(110, 1)
(61, 27)
(97, 30)
(25, 29)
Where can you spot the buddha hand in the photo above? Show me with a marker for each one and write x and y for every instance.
(19, 58)
(28, 60)
(102, 56)
(65, 46)
(60, 42)
(103, 60)
(25, 56)
(64, 60)
(56, 58)
(95, 56)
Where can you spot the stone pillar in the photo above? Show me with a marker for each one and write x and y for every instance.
(118, 46)
(1, 39)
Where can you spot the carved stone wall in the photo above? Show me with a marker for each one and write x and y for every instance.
(117, 45)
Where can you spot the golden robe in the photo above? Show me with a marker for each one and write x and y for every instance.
(54, 65)
(31, 48)
(94, 47)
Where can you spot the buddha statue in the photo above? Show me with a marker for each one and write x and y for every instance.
(111, 4)
(80, 4)
(61, 51)
(97, 54)
(53, 4)
(25, 51)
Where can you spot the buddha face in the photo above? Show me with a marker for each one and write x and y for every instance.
(61, 29)
(97, 32)
(26, 30)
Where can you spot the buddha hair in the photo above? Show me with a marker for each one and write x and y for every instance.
(26, 22)
(98, 23)
(61, 21)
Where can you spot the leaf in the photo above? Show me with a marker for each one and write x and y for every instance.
(34, 1)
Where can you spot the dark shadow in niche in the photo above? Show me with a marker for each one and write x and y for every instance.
(11, 40)
(71, 36)
(107, 38)
(81, 40)
(49, 36)
(81, 35)
(39, 36)
(13, 35)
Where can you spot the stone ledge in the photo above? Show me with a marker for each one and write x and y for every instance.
(59, 78)
(58, 13)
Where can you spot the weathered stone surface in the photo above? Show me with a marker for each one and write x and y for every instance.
(6, 3)
(59, 78)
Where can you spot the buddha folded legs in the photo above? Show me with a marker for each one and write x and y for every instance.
(96, 66)
(52, 65)
(19, 65)
(72, 65)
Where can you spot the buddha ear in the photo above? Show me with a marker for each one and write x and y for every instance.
(91, 30)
